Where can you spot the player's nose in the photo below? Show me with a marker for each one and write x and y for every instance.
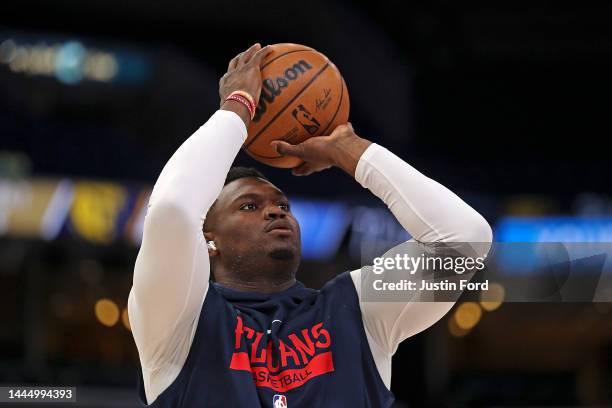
(273, 211)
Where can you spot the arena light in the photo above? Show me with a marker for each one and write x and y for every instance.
(454, 329)
(107, 312)
(493, 298)
(468, 315)
(125, 318)
(101, 67)
(69, 62)
(7, 51)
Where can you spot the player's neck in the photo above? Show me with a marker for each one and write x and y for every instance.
(255, 285)
(256, 273)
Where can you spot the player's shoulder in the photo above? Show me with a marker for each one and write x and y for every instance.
(342, 284)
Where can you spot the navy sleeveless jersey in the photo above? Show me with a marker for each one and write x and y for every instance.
(296, 348)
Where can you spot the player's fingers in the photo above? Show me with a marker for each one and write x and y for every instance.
(286, 149)
(238, 59)
(233, 63)
(260, 55)
(248, 54)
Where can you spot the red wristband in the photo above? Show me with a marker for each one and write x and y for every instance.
(246, 95)
(239, 96)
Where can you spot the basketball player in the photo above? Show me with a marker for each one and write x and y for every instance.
(256, 337)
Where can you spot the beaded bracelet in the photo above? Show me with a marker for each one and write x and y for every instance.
(245, 99)
(246, 95)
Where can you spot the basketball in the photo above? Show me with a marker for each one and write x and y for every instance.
(303, 95)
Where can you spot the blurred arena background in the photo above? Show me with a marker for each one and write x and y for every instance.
(506, 104)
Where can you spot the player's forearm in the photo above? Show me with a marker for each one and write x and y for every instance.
(193, 177)
(239, 109)
(426, 209)
(349, 151)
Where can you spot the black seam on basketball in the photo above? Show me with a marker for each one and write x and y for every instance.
(337, 109)
(271, 158)
(282, 55)
(288, 103)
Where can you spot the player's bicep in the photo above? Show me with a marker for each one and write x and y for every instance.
(378, 317)
(396, 316)
(390, 323)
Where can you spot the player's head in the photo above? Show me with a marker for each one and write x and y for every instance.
(252, 227)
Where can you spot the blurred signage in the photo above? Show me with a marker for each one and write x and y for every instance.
(322, 225)
(545, 240)
(33, 208)
(554, 229)
(104, 212)
(96, 210)
(72, 62)
(374, 231)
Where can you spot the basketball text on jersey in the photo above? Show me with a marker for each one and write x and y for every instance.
(289, 364)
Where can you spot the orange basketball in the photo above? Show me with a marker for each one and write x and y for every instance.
(303, 95)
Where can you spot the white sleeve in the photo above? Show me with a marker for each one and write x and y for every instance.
(430, 213)
(172, 270)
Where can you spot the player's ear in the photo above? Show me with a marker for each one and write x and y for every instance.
(210, 244)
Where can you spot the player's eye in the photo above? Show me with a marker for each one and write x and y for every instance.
(248, 206)
(284, 206)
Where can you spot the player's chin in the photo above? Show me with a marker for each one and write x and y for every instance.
(283, 251)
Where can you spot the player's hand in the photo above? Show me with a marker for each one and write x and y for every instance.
(244, 73)
(342, 148)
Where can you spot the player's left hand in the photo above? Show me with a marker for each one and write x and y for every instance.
(342, 148)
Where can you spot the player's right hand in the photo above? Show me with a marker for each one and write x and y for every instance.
(342, 148)
(244, 73)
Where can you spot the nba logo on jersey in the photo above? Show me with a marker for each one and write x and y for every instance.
(279, 401)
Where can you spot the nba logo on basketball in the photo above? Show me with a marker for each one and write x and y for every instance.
(279, 401)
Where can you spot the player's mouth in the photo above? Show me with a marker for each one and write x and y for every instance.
(280, 227)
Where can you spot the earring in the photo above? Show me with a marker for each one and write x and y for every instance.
(211, 245)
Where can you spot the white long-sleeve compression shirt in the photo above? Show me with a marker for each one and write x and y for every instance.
(173, 262)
